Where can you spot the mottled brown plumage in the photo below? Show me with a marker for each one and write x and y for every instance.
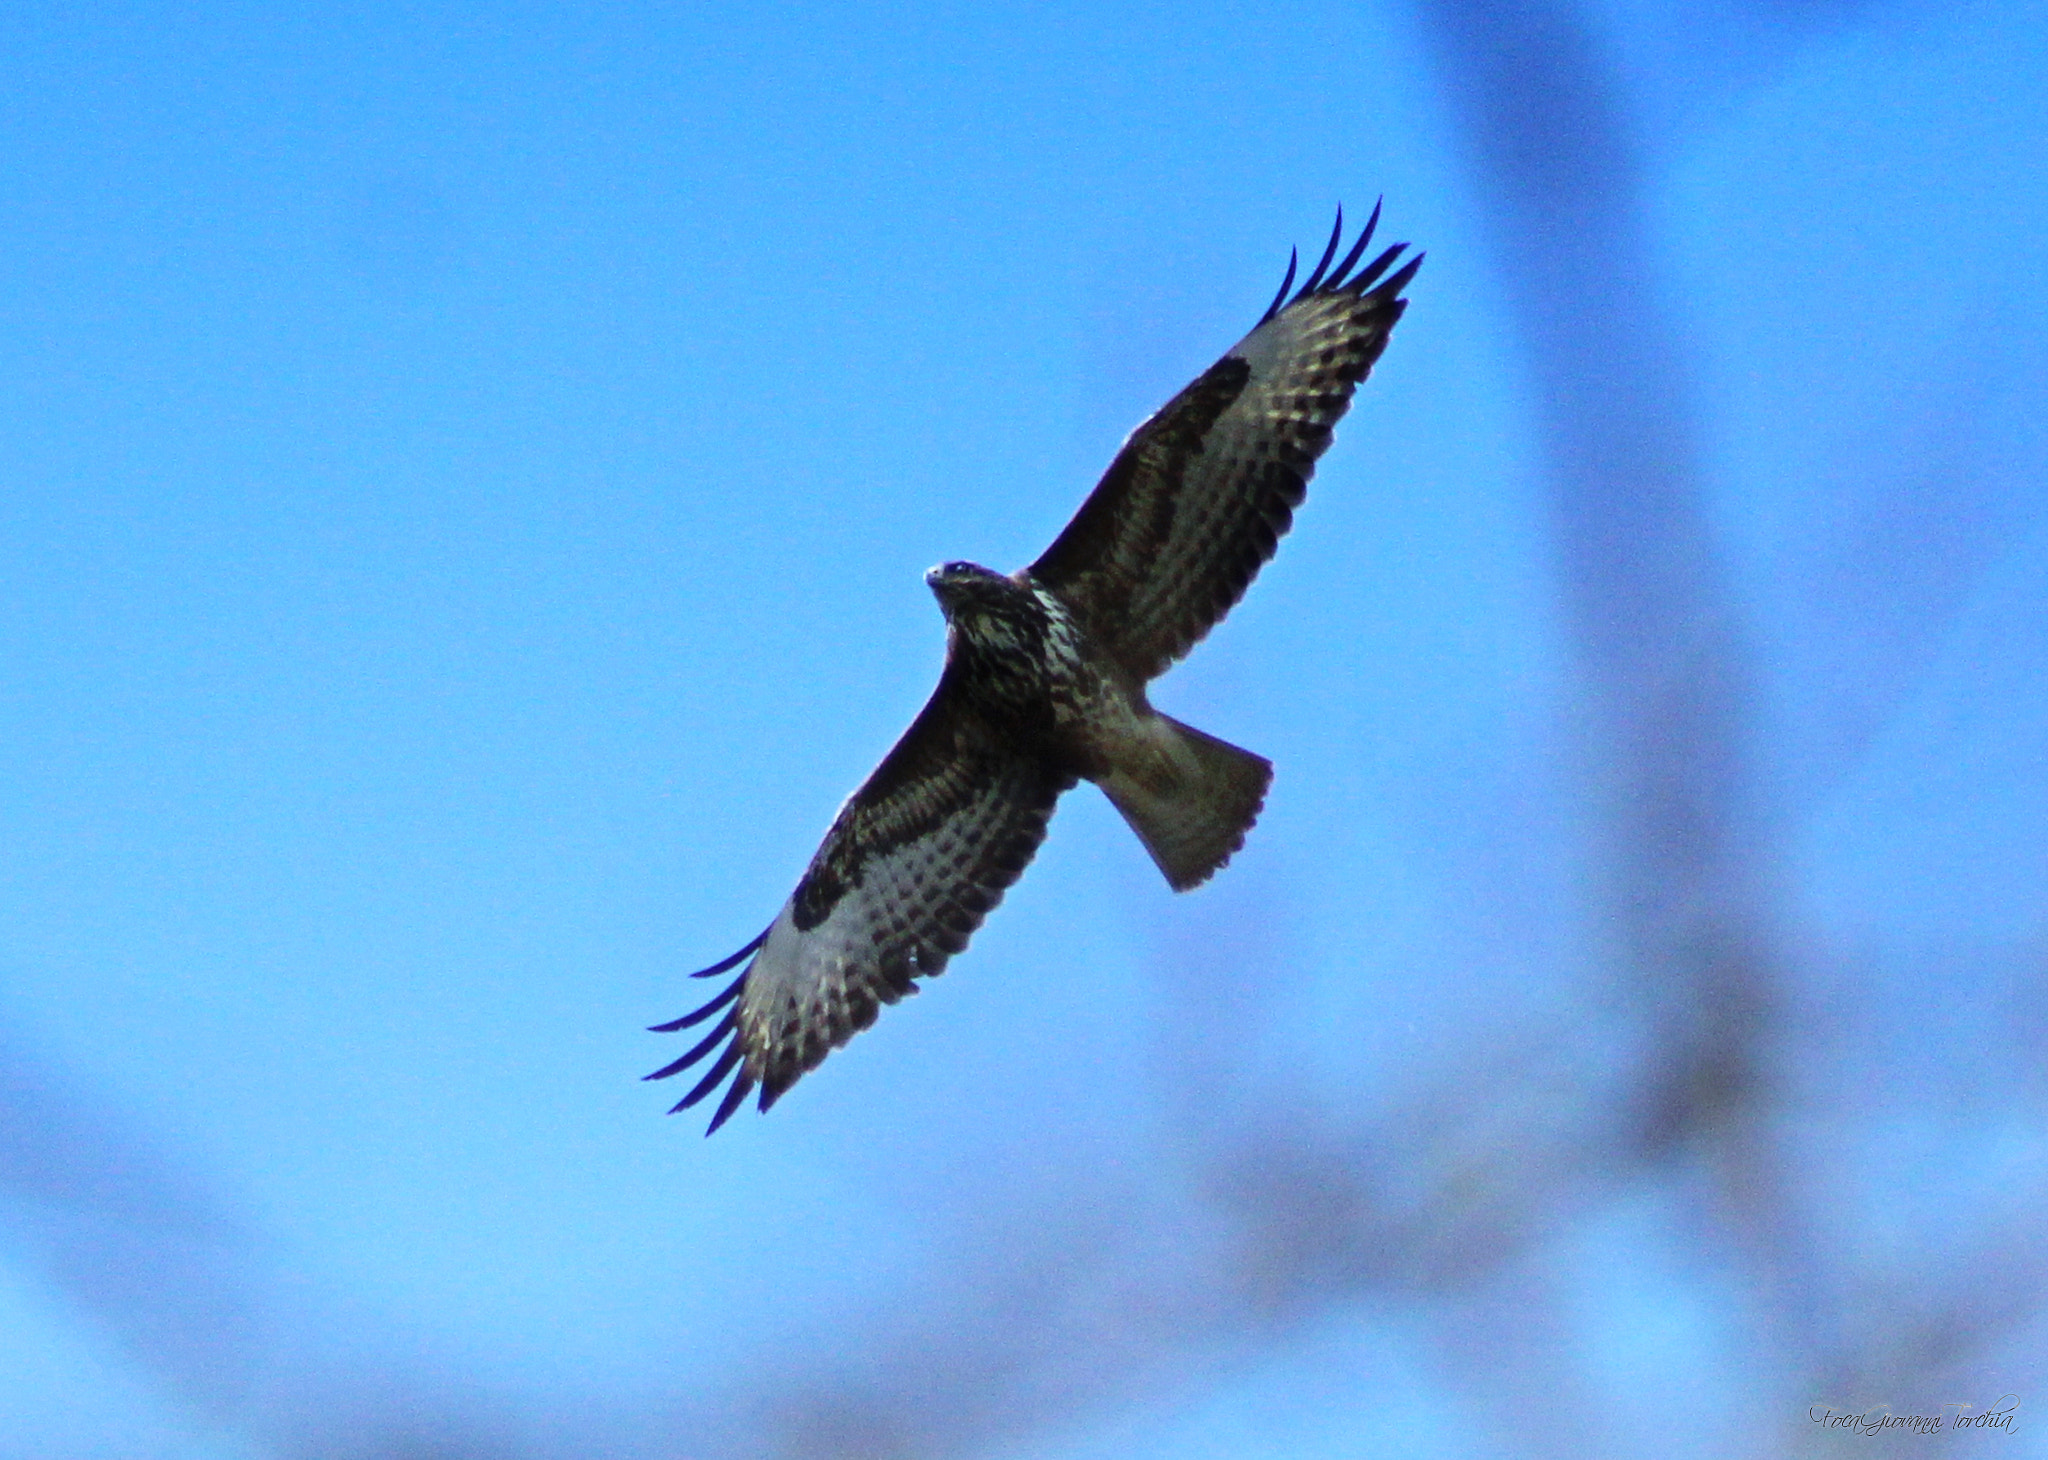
(1045, 684)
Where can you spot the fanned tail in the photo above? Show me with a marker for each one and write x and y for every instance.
(1191, 805)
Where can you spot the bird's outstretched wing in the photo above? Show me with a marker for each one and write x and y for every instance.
(1197, 499)
(914, 861)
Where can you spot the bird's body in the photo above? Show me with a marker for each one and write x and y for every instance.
(1045, 684)
(1020, 657)
(1026, 662)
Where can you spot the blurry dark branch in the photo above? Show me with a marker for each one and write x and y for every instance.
(1915, 1333)
(1076, 1302)
(1663, 670)
(1661, 663)
(139, 1246)
(112, 1225)
(1081, 1301)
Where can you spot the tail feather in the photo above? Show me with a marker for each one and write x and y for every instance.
(1192, 802)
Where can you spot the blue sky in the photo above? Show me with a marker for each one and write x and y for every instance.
(464, 479)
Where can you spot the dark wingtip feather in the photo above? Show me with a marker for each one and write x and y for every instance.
(732, 1100)
(698, 1016)
(719, 1030)
(1323, 279)
(725, 964)
(1400, 278)
(726, 1027)
(713, 1077)
(1357, 248)
(1308, 286)
(1369, 275)
(1293, 262)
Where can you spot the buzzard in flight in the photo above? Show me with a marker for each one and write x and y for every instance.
(1044, 685)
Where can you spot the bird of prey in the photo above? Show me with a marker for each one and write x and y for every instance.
(1044, 684)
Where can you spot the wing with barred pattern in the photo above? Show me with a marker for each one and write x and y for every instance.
(1199, 496)
(915, 860)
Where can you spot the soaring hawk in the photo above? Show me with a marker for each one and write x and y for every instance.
(1044, 684)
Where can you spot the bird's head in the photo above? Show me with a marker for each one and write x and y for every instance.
(969, 589)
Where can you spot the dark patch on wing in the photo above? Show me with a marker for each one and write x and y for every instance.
(1100, 559)
(915, 860)
(927, 776)
(1199, 497)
